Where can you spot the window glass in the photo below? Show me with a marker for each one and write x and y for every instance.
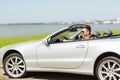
(69, 35)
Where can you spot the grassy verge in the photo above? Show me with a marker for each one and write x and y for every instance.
(17, 39)
(3, 78)
(114, 32)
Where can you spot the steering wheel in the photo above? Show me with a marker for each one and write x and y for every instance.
(63, 38)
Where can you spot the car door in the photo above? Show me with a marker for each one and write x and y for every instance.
(62, 55)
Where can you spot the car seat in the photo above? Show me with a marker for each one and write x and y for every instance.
(107, 33)
(95, 35)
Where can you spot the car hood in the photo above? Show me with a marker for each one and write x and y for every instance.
(23, 44)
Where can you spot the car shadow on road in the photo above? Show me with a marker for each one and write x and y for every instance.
(58, 76)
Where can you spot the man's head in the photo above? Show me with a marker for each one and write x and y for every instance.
(86, 30)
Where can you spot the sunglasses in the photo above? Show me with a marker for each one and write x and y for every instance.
(82, 31)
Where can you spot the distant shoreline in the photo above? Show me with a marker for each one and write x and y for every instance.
(31, 24)
(58, 23)
(34, 24)
(31, 29)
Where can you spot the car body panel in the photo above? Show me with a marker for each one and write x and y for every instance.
(61, 55)
(28, 52)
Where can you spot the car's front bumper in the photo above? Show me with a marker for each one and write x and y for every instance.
(1, 65)
(1, 59)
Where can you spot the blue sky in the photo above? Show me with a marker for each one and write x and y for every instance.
(18, 11)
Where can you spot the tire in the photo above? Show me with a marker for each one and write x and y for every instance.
(108, 68)
(14, 65)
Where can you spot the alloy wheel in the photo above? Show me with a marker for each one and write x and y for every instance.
(14, 66)
(109, 69)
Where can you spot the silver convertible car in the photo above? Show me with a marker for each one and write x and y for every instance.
(99, 56)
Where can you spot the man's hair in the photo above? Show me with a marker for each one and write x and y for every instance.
(87, 27)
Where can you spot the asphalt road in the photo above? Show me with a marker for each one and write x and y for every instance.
(50, 76)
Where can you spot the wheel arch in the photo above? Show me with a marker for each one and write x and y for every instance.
(103, 56)
(10, 52)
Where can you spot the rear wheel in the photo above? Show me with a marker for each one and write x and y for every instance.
(108, 69)
(14, 65)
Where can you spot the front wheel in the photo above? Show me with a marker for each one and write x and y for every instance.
(108, 68)
(14, 65)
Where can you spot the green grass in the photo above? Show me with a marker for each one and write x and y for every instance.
(17, 39)
(116, 31)
(113, 31)
(3, 78)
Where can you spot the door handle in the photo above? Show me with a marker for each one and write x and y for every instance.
(80, 46)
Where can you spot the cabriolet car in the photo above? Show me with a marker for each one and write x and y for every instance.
(98, 56)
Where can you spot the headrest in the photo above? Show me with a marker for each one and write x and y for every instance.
(107, 33)
(95, 34)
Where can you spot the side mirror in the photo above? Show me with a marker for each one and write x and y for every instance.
(47, 42)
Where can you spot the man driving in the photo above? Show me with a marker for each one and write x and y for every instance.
(85, 32)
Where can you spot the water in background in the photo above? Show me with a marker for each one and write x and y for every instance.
(19, 30)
